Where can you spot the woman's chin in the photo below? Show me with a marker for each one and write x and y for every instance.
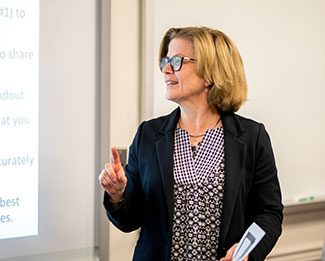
(170, 97)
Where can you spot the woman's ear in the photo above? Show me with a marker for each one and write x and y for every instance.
(207, 84)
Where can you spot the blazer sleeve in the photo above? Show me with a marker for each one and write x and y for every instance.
(264, 204)
(128, 216)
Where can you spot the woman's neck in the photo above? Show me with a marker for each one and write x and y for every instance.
(199, 119)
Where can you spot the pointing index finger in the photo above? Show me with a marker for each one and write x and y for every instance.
(116, 157)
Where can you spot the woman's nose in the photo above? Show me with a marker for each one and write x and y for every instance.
(167, 69)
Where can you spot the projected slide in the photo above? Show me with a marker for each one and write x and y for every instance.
(19, 91)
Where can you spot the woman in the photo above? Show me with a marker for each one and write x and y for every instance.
(197, 178)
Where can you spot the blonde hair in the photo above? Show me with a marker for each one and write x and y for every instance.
(218, 62)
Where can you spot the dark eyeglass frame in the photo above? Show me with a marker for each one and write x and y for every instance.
(164, 61)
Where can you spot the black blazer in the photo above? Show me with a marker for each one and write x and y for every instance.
(251, 189)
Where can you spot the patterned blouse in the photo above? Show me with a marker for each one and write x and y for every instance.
(198, 196)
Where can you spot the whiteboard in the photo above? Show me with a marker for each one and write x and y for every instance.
(67, 131)
(282, 44)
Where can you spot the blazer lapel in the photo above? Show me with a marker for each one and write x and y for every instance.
(235, 156)
(165, 153)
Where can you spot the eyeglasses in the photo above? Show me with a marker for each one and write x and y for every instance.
(176, 62)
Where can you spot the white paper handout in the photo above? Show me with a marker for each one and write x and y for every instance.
(247, 243)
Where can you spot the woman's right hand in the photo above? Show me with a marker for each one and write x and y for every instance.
(113, 179)
(230, 253)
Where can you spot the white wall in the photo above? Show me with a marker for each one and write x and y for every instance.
(67, 114)
(67, 131)
(124, 98)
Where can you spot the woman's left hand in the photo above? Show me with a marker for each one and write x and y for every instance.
(230, 253)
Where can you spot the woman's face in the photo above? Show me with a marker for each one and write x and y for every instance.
(183, 86)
